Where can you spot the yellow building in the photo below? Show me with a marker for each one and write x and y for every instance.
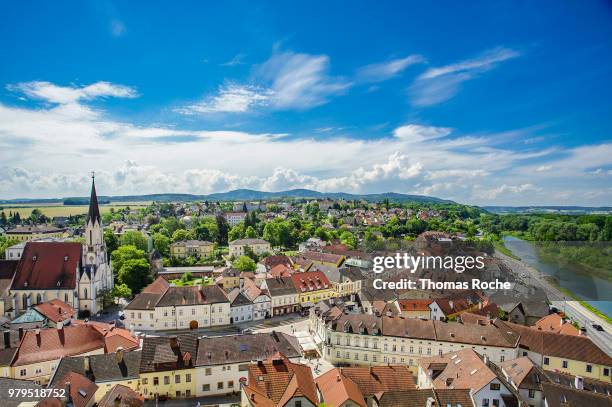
(238, 247)
(312, 287)
(575, 355)
(167, 367)
(27, 233)
(192, 248)
(105, 370)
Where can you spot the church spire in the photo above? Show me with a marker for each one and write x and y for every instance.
(94, 210)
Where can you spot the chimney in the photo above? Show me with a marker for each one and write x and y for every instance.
(579, 383)
(119, 355)
(431, 402)
(7, 339)
(86, 365)
(20, 333)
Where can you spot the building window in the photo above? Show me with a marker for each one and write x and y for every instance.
(187, 393)
(156, 381)
(219, 385)
(298, 403)
(166, 379)
(565, 364)
(206, 387)
(546, 361)
(494, 386)
(485, 402)
(188, 378)
(531, 393)
(22, 372)
(85, 291)
(606, 371)
(589, 368)
(208, 371)
(502, 358)
(178, 393)
(230, 384)
(145, 380)
(177, 379)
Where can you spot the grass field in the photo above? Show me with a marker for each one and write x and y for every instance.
(65, 210)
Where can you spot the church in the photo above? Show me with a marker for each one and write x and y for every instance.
(72, 272)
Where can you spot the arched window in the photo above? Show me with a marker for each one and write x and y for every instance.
(86, 293)
(24, 300)
(66, 298)
(38, 298)
(90, 238)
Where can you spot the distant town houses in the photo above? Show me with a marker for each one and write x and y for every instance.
(257, 246)
(32, 232)
(234, 218)
(199, 249)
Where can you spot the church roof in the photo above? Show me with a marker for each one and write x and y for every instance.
(94, 209)
(46, 265)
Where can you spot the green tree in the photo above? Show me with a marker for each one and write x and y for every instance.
(244, 263)
(181, 235)
(134, 238)
(235, 233)
(223, 229)
(135, 274)
(5, 244)
(348, 239)
(112, 243)
(122, 291)
(250, 232)
(162, 243)
(125, 253)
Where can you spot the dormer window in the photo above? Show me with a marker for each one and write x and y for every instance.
(34, 258)
(25, 283)
(65, 258)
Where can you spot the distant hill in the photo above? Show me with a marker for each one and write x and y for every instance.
(239, 195)
(570, 210)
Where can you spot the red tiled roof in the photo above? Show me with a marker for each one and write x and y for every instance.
(121, 396)
(281, 270)
(376, 379)
(276, 380)
(336, 389)
(310, 281)
(48, 265)
(554, 323)
(323, 257)
(56, 310)
(159, 286)
(414, 305)
(80, 388)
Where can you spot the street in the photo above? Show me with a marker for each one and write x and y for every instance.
(573, 309)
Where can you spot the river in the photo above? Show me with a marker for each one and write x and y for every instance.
(596, 291)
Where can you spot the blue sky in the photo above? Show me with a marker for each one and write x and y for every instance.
(484, 103)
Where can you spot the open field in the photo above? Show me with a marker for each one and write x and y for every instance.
(52, 210)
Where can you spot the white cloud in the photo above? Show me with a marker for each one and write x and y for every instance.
(437, 85)
(72, 94)
(231, 98)
(543, 168)
(285, 81)
(300, 80)
(237, 59)
(50, 150)
(386, 70)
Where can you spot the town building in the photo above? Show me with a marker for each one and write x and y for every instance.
(312, 287)
(167, 366)
(223, 362)
(199, 249)
(464, 369)
(40, 350)
(283, 295)
(575, 355)
(105, 370)
(276, 381)
(370, 340)
(239, 247)
(234, 218)
(163, 307)
(32, 232)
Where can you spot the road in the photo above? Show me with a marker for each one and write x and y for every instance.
(573, 309)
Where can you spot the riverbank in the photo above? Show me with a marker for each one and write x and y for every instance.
(577, 299)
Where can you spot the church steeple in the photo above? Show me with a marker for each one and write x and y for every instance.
(94, 210)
